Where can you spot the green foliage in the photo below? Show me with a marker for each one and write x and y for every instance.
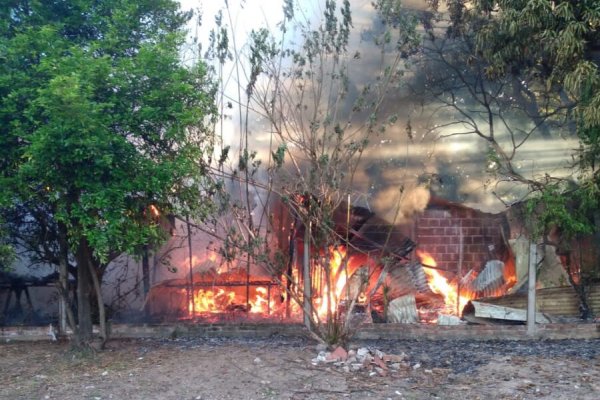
(279, 155)
(590, 143)
(569, 209)
(549, 39)
(99, 120)
(7, 253)
(546, 44)
(549, 46)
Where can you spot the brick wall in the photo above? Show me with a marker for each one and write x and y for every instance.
(437, 231)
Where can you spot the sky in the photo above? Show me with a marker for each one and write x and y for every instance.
(392, 160)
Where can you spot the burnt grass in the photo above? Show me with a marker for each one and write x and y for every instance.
(462, 356)
(459, 356)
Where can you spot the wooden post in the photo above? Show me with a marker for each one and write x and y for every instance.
(531, 331)
(306, 276)
(460, 262)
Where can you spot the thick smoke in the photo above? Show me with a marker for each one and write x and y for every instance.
(400, 206)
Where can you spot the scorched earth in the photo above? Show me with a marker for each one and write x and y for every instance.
(284, 368)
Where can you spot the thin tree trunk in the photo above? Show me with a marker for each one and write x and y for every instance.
(146, 270)
(63, 288)
(84, 288)
(101, 309)
(145, 275)
(306, 277)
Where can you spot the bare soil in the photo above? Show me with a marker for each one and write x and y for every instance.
(281, 368)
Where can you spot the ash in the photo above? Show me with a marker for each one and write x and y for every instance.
(459, 356)
(463, 356)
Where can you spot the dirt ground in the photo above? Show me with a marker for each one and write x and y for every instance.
(281, 368)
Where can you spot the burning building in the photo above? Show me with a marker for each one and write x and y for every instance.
(446, 256)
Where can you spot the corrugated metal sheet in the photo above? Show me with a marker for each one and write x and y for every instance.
(403, 310)
(561, 301)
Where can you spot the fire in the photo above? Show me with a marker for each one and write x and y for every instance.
(154, 211)
(362, 298)
(211, 301)
(261, 303)
(439, 284)
(219, 300)
(338, 282)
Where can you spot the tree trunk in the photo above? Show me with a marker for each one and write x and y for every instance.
(146, 270)
(146, 275)
(306, 294)
(100, 300)
(66, 309)
(84, 292)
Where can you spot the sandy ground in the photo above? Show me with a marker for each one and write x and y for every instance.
(281, 368)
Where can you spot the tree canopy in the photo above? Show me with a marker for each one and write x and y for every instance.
(100, 122)
(549, 51)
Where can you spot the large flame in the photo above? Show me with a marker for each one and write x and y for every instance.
(337, 281)
(219, 300)
(439, 284)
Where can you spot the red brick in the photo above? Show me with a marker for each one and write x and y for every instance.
(467, 257)
(339, 354)
(474, 231)
(453, 249)
(424, 222)
(451, 231)
(425, 240)
(426, 248)
(456, 213)
(437, 213)
(433, 222)
(453, 239)
(438, 231)
(426, 231)
(440, 249)
(445, 222)
(477, 239)
(472, 248)
(469, 222)
(449, 257)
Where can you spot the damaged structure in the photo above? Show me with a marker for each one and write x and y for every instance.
(450, 265)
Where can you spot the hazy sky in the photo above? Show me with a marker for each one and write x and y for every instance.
(391, 160)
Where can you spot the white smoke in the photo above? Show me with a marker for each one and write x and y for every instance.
(398, 206)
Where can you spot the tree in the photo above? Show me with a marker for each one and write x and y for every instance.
(321, 121)
(102, 127)
(506, 111)
(547, 50)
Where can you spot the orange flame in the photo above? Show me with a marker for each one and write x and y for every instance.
(154, 211)
(262, 303)
(439, 284)
(338, 282)
(218, 300)
(211, 301)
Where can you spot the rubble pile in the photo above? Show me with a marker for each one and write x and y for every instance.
(364, 359)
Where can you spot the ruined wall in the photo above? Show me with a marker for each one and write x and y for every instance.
(437, 231)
